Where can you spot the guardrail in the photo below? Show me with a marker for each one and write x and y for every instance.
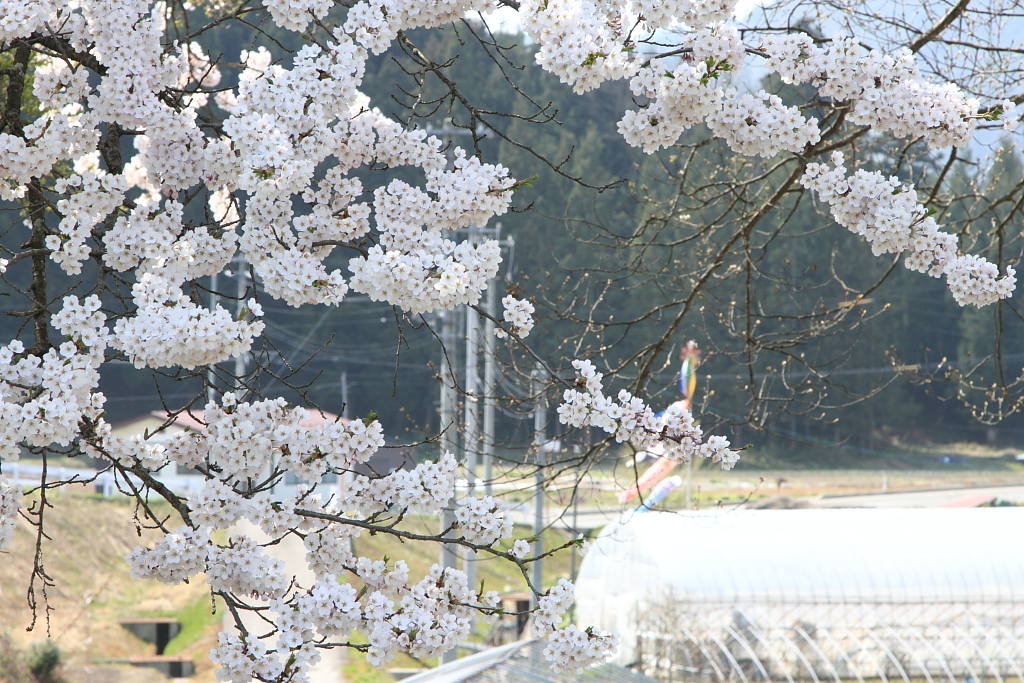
(109, 483)
(105, 482)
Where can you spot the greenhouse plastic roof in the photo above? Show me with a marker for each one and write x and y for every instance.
(815, 555)
(812, 595)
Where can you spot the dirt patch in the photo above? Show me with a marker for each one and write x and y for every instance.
(84, 555)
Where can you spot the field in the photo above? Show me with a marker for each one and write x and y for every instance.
(89, 538)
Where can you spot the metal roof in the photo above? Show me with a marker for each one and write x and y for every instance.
(520, 662)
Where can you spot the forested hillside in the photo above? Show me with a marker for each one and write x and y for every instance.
(802, 344)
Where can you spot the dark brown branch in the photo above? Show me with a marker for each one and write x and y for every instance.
(940, 26)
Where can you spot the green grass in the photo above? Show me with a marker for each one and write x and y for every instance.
(496, 573)
(196, 620)
(357, 670)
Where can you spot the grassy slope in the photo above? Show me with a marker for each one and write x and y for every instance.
(90, 537)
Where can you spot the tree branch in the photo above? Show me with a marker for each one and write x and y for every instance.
(940, 26)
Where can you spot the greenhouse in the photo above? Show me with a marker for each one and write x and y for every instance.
(863, 595)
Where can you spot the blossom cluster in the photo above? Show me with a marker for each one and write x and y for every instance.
(571, 649)
(244, 569)
(44, 397)
(415, 266)
(551, 606)
(887, 214)
(678, 99)
(421, 619)
(54, 137)
(425, 489)
(179, 555)
(584, 43)
(759, 124)
(242, 659)
(285, 122)
(244, 438)
(657, 14)
(433, 616)
(577, 42)
(329, 550)
(631, 420)
(332, 606)
(376, 23)
(278, 182)
(240, 442)
(92, 195)
(888, 91)
(686, 95)
(169, 329)
(482, 521)
(518, 314)
(376, 575)
(10, 495)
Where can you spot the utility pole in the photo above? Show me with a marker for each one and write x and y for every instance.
(240, 286)
(470, 443)
(447, 413)
(447, 409)
(241, 282)
(345, 410)
(449, 402)
(211, 374)
(449, 557)
(472, 403)
(489, 388)
(539, 440)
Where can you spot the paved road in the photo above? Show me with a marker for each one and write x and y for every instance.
(919, 499)
(588, 517)
(292, 552)
(585, 519)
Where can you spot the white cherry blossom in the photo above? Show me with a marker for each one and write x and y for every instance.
(10, 496)
(279, 178)
(519, 316)
(629, 419)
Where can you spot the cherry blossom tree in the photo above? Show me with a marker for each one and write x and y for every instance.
(140, 173)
